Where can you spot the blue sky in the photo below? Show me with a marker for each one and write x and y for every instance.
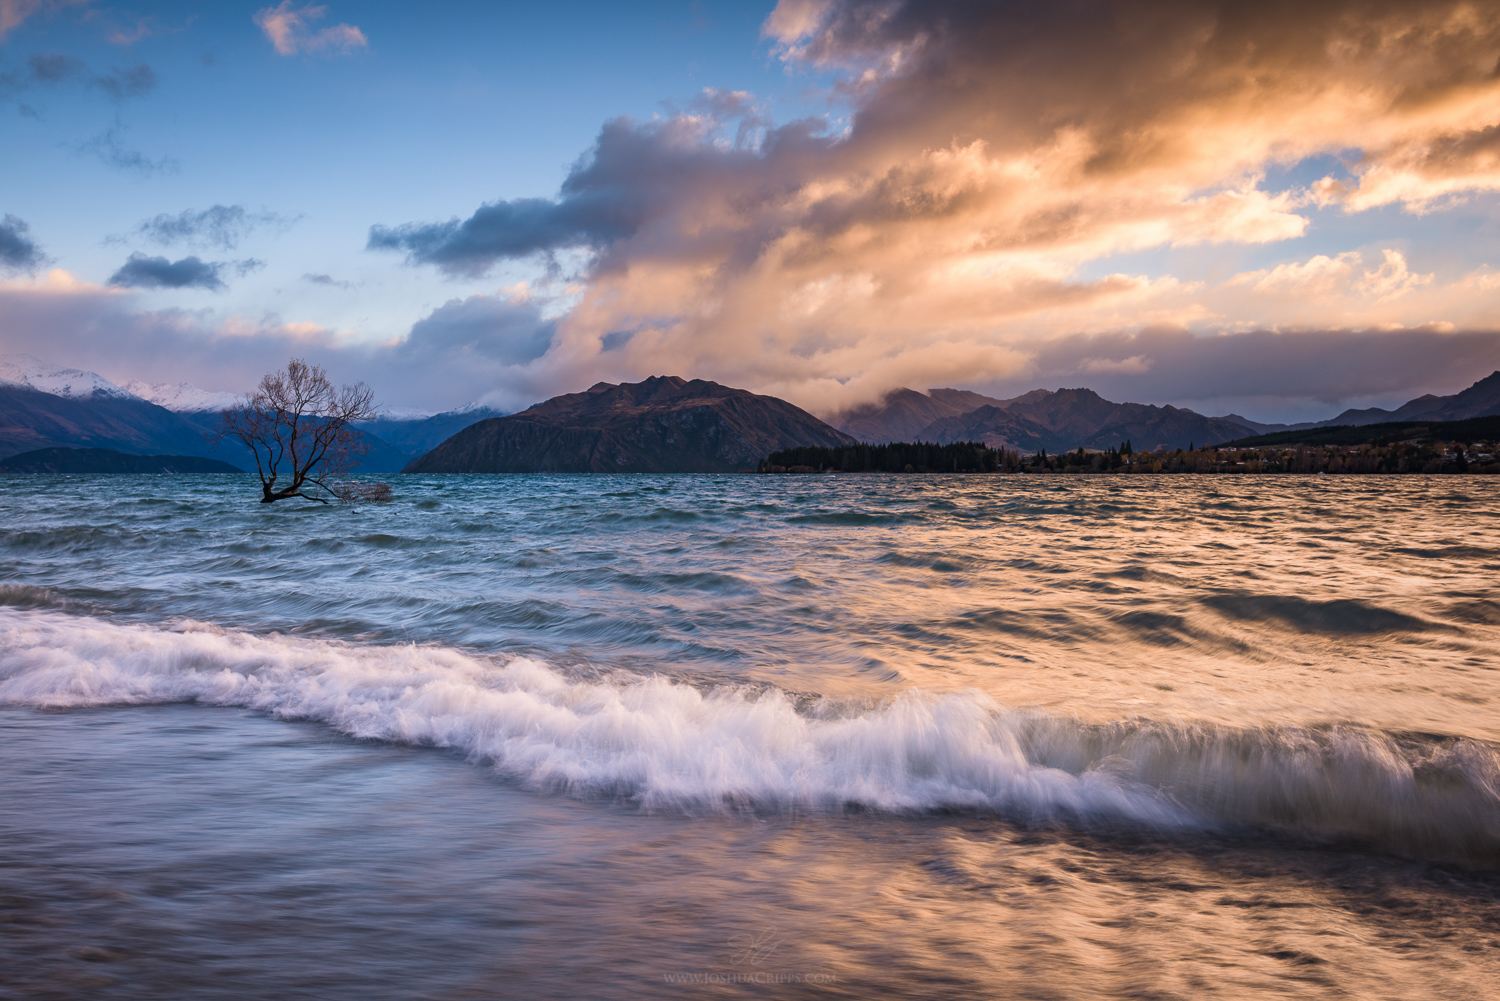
(993, 196)
(439, 112)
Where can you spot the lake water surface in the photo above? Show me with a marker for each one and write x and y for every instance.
(740, 736)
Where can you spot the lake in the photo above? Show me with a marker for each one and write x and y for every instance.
(793, 736)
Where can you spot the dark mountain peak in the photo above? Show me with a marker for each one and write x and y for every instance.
(628, 397)
(1485, 392)
(901, 394)
(1071, 418)
(902, 413)
(1035, 396)
(32, 419)
(664, 424)
(964, 399)
(1482, 399)
(1074, 411)
(996, 426)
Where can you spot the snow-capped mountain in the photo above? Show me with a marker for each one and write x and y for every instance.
(404, 414)
(182, 397)
(47, 406)
(70, 383)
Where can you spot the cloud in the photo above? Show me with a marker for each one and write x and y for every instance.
(57, 282)
(55, 69)
(635, 174)
(140, 271)
(484, 330)
(1132, 364)
(120, 84)
(289, 30)
(972, 222)
(14, 12)
(1294, 375)
(18, 251)
(1323, 276)
(995, 154)
(328, 280)
(466, 350)
(510, 229)
(1319, 276)
(105, 331)
(1392, 278)
(111, 149)
(221, 226)
(503, 348)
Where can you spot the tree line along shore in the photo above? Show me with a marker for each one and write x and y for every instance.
(974, 457)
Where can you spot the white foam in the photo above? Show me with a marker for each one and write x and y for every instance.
(661, 743)
(670, 745)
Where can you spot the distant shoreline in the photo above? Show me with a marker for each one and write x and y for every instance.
(1394, 458)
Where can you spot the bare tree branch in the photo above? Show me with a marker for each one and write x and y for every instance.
(297, 426)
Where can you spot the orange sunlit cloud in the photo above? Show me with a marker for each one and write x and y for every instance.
(993, 156)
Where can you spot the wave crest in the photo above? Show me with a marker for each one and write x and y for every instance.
(669, 745)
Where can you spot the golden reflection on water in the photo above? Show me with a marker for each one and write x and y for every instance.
(1240, 602)
(1289, 661)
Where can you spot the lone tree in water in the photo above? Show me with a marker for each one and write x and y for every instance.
(297, 424)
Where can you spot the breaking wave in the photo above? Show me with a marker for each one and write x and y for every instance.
(670, 745)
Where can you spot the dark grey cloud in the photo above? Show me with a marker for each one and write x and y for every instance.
(112, 150)
(328, 280)
(482, 330)
(221, 226)
(18, 251)
(635, 172)
(54, 67)
(136, 81)
(51, 69)
(141, 271)
(501, 230)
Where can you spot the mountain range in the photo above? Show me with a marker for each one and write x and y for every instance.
(1480, 400)
(663, 424)
(33, 418)
(417, 435)
(45, 406)
(1055, 421)
(1072, 418)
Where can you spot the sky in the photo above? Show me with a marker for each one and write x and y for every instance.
(1278, 209)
